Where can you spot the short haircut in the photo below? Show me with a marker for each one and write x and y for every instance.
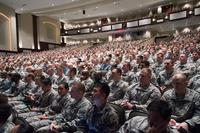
(73, 69)
(5, 112)
(140, 57)
(146, 63)
(3, 98)
(15, 77)
(181, 76)
(104, 88)
(65, 84)
(47, 81)
(162, 107)
(85, 73)
(196, 51)
(81, 86)
(147, 70)
(31, 75)
(119, 70)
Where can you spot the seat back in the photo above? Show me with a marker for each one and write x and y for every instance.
(120, 112)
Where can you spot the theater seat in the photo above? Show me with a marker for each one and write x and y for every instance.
(120, 112)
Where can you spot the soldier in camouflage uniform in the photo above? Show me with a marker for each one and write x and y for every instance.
(195, 58)
(183, 66)
(52, 75)
(101, 118)
(194, 83)
(87, 81)
(30, 85)
(61, 76)
(164, 77)
(185, 103)
(71, 114)
(118, 87)
(16, 85)
(158, 66)
(127, 75)
(139, 95)
(157, 121)
(43, 101)
(57, 105)
(71, 76)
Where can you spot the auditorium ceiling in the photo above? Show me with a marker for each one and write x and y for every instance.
(80, 10)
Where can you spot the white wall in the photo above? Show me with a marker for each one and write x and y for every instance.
(25, 23)
(49, 30)
(8, 40)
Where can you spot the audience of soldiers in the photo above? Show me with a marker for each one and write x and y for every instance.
(120, 87)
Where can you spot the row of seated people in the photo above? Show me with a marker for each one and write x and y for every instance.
(69, 113)
(156, 120)
(135, 75)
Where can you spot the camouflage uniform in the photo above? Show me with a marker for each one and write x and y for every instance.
(15, 88)
(24, 91)
(194, 83)
(55, 108)
(139, 124)
(164, 79)
(61, 79)
(185, 109)
(157, 68)
(69, 117)
(195, 63)
(142, 97)
(188, 69)
(117, 90)
(89, 84)
(42, 103)
(70, 81)
(128, 77)
(6, 127)
(53, 78)
(104, 121)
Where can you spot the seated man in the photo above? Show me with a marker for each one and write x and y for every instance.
(43, 102)
(184, 66)
(118, 87)
(159, 114)
(16, 85)
(5, 123)
(29, 85)
(185, 103)
(164, 77)
(57, 105)
(101, 118)
(194, 83)
(70, 115)
(139, 95)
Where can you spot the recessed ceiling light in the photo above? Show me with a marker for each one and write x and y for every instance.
(97, 7)
(122, 10)
(52, 4)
